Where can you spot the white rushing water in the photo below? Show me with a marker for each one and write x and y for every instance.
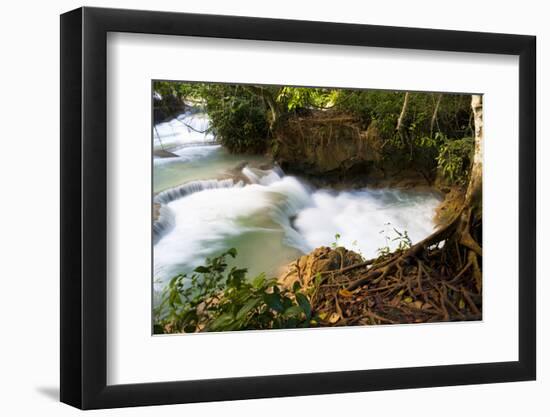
(197, 163)
(187, 129)
(254, 218)
(367, 220)
(270, 218)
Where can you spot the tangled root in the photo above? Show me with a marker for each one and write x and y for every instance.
(437, 279)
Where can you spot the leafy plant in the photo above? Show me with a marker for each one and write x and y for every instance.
(244, 118)
(454, 159)
(336, 242)
(213, 299)
(403, 240)
(294, 98)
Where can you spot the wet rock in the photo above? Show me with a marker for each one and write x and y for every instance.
(156, 211)
(161, 153)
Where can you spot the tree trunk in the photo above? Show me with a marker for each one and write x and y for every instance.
(269, 100)
(434, 116)
(460, 252)
(473, 194)
(399, 127)
(272, 106)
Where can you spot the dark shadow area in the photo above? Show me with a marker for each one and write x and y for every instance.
(50, 392)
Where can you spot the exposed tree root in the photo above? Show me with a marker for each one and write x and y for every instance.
(437, 279)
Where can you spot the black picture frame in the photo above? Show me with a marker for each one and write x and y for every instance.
(84, 207)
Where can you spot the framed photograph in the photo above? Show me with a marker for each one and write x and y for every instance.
(258, 208)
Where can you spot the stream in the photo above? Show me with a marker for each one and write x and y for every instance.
(211, 200)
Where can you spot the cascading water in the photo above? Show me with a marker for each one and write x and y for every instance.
(190, 128)
(272, 218)
(166, 221)
(166, 196)
(254, 218)
(366, 220)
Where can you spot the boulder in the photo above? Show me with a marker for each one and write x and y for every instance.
(320, 260)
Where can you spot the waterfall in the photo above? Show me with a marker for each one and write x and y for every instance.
(274, 218)
(166, 196)
(365, 219)
(166, 218)
(261, 176)
(213, 215)
(188, 129)
(270, 218)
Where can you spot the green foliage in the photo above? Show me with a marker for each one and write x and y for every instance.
(238, 114)
(293, 98)
(403, 240)
(243, 119)
(384, 107)
(336, 242)
(239, 117)
(454, 159)
(213, 299)
(418, 145)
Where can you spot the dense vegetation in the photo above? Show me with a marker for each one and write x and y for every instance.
(436, 279)
(214, 299)
(428, 131)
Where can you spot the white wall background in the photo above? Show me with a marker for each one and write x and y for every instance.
(29, 219)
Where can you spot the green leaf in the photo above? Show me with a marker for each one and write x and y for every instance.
(222, 321)
(236, 278)
(287, 302)
(232, 252)
(274, 302)
(250, 304)
(304, 304)
(294, 311)
(202, 269)
(258, 281)
(238, 274)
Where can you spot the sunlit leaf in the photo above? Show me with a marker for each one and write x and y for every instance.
(294, 311)
(247, 307)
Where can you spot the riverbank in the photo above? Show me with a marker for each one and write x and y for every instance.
(271, 218)
(207, 199)
(357, 195)
(407, 285)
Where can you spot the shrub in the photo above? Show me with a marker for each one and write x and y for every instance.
(213, 299)
(454, 159)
